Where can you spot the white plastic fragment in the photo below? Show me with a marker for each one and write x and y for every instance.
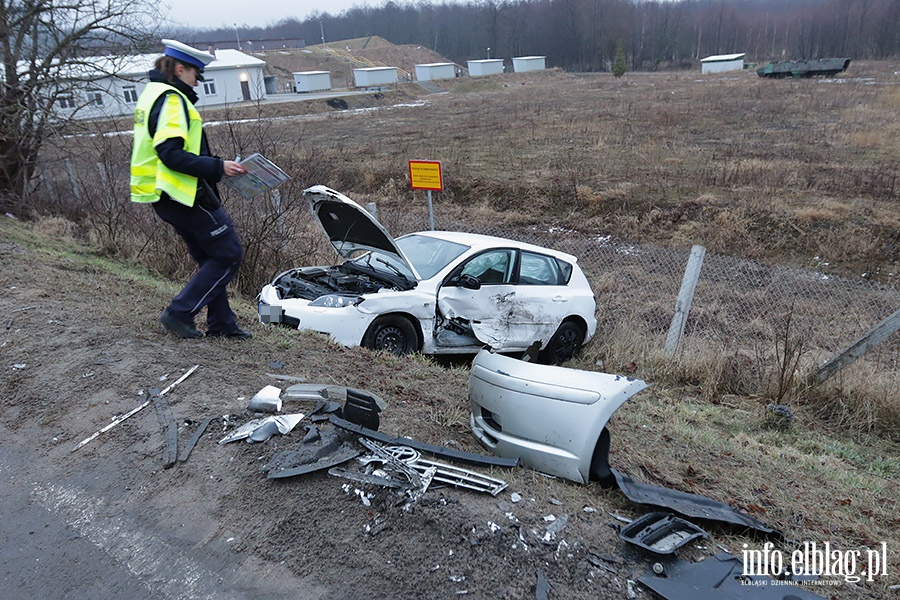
(268, 399)
(134, 411)
(515, 497)
(363, 496)
(260, 430)
(556, 526)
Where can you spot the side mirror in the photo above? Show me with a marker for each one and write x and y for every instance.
(470, 282)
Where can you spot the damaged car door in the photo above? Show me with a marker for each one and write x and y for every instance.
(480, 303)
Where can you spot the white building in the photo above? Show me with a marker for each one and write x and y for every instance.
(489, 66)
(431, 71)
(113, 85)
(374, 76)
(528, 63)
(312, 81)
(721, 63)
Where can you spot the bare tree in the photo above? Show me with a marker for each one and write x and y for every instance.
(48, 48)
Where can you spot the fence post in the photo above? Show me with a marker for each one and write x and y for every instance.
(875, 336)
(685, 297)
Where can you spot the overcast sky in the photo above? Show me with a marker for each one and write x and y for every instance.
(205, 14)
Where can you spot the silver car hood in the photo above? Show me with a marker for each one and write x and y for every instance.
(349, 227)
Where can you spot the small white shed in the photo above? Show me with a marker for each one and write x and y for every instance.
(528, 63)
(312, 81)
(431, 71)
(488, 66)
(373, 76)
(721, 63)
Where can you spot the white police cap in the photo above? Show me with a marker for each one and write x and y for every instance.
(187, 54)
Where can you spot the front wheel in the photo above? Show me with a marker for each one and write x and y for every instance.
(565, 343)
(392, 333)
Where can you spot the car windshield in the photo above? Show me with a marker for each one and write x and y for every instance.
(429, 255)
(384, 262)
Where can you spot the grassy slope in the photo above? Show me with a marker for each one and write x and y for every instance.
(813, 483)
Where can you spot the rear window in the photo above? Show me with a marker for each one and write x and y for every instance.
(540, 269)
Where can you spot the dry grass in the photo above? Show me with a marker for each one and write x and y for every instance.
(796, 172)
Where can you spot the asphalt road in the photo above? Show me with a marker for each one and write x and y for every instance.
(89, 534)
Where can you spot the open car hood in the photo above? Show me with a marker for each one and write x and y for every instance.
(349, 227)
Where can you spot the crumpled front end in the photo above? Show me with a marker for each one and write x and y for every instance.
(314, 299)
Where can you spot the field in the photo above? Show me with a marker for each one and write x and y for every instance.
(792, 173)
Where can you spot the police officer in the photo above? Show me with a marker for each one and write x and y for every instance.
(173, 170)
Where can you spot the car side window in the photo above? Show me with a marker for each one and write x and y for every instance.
(493, 266)
(538, 269)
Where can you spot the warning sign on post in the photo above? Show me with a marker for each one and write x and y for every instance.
(426, 175)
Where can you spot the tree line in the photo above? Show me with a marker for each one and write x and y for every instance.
(581, 35)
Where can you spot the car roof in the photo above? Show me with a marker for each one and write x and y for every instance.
(482, 242)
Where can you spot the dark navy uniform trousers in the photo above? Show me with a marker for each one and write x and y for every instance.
(213, 243)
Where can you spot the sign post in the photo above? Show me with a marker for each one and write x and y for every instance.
(426, 175)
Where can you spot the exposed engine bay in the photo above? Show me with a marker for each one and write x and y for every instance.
(350, 278)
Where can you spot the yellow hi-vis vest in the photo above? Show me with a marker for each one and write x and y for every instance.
(149, 176)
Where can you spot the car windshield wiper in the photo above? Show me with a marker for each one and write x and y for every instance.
(393, 268)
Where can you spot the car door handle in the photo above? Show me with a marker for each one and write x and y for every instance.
(560, 299)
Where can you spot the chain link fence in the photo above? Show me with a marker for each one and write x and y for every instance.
(740, 306)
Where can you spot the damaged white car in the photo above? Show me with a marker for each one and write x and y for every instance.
(435, 292)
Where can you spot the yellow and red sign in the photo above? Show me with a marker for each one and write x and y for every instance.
(426, 175)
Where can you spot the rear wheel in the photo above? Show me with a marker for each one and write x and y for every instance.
(565, 343)
(392, 333)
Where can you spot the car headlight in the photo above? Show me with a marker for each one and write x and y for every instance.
(335, 301)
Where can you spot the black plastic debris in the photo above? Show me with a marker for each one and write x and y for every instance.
(370, 478)
(689, 505)
(719, 577)
(457, 455)
(330, 450)
(660, 532)
(323, 410)
(185, 451)
(362, 408)
(312, 434)
(168, 426)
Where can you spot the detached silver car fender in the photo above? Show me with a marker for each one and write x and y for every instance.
(549, 417)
